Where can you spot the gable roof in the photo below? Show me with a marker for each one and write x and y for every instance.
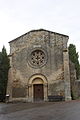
(37, 31)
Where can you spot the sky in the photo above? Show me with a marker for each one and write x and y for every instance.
(20, 16)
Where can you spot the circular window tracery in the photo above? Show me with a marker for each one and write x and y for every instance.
(37, 58)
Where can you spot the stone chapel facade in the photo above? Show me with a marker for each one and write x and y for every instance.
(39, 63)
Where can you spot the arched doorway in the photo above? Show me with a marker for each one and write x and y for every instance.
(38, 88)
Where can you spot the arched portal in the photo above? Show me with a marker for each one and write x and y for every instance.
(38, 88)
(38, 92)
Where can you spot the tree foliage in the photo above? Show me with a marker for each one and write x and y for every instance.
(4, 67)
(73, 55)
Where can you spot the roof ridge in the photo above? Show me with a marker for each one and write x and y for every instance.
(36, 30)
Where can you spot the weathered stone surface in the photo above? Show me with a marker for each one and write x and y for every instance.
(48, 65)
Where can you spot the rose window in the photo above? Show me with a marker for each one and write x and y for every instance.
(38, 58)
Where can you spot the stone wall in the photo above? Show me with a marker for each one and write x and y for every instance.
(53, 45)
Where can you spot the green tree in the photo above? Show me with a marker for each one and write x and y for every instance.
(4, 67)
(73, 55)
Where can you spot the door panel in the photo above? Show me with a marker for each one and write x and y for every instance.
(38, 92)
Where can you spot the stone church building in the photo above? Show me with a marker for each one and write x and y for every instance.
(39, 63)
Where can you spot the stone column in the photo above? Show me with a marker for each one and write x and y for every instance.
(66, 75)
(45, 92)
(30, 93)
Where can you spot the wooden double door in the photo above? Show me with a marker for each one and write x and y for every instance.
(38, 92)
